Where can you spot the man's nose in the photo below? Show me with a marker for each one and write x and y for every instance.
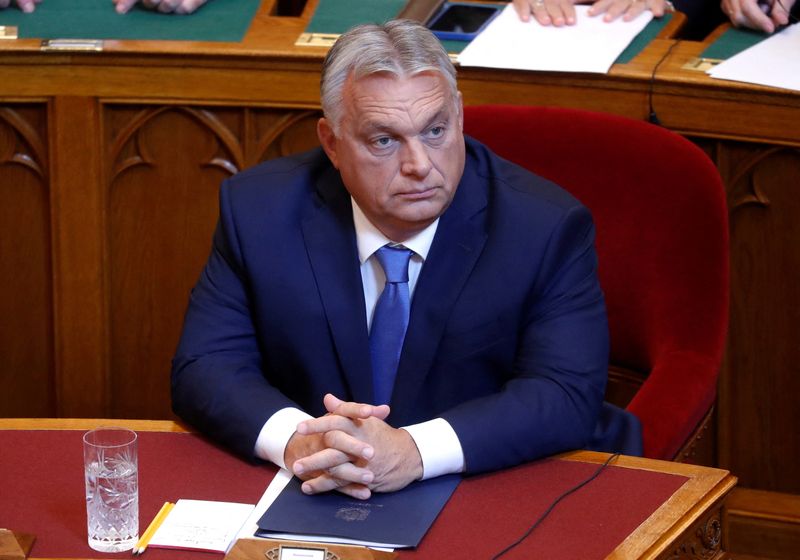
(415, 160)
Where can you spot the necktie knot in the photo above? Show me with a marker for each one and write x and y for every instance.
(394, 261)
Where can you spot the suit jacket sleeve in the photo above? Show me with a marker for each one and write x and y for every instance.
(217, 381)
(552, 397)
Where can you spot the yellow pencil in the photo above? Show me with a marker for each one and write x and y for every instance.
(151, 529)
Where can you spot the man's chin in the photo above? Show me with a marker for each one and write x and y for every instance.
(421, 215)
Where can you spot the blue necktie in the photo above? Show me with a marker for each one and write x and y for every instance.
(390, 321)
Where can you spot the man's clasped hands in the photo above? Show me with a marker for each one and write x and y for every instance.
(352, 450)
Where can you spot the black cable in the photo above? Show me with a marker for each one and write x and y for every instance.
(554, 504)
(651, 116)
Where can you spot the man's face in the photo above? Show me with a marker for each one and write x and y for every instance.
(399, 149)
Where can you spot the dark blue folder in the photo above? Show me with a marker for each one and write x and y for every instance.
(398, 519)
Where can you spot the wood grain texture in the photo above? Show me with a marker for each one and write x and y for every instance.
(166, 165)
(760, 372)
(27, 374)
(162, 205)
(78, 218)
(90, 424)
(763, 524)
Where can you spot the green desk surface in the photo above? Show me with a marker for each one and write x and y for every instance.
(731, 42)
(218, 20)
(337, 16)
(643, 39)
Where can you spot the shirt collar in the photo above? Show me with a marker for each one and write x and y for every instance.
(369, 238)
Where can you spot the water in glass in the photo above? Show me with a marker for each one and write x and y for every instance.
(112, 503)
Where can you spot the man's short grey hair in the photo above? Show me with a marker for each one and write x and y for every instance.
(400, 47)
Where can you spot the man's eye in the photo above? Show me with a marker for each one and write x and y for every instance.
(382, 142)
(436, 131)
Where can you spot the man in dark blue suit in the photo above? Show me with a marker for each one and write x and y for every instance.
(505, 348)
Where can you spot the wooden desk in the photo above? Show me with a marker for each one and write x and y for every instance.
(110, 164)
(689, 519)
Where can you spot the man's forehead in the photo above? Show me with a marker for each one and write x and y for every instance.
(383, 96)
(392, 86)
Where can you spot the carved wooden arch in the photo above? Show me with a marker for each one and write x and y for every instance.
(205, 118)
(284, 123)
(745, 192)
(36, 160)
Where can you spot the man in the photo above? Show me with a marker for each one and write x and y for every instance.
(122, 6)
(504, 349)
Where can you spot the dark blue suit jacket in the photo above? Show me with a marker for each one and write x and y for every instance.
(507, 339)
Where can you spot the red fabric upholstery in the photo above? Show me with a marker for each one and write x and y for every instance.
(662, 241)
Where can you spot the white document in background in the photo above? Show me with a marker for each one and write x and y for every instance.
(201, 525)
(775, 62)
(591, 45)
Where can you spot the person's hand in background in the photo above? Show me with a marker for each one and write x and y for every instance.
(26, 6)
(765, 17)
(562, 12)
(164, 6)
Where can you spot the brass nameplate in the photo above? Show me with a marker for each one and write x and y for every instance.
(302, 553)
(328, 39)
(9, 31)
(271, 549)
(316, 39)
(700, 64)
(72, 45)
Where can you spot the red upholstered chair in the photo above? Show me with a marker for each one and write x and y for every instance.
(662, 242)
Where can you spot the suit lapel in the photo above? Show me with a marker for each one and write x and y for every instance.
(331, 244)
(460, 238)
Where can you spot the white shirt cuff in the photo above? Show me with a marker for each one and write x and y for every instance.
(276, 433)
(438, 446)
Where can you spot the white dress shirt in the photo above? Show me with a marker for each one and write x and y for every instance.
(435, 439)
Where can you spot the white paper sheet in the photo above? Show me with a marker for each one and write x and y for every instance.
(274, 489)
(775, 62)
(201, 525)
(591, 45)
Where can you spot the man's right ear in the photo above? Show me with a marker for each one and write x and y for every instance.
(328, 140)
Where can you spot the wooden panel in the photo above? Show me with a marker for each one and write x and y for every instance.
(278, 133)
(26, 330)
(764, 524)
(166, 164)
(759, 439)
(78, 283)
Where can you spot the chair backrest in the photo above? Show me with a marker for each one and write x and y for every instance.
(662, 242)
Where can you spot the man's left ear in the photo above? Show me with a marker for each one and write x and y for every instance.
(328, 140)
